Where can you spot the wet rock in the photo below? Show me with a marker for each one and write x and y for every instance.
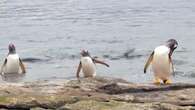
(39, 109)
(96, 94)
(119, 88)
(114, 105)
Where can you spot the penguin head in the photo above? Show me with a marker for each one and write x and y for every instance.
(11, 48)
(85, 53)
(172, 44)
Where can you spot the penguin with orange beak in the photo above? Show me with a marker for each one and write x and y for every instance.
(12, 63)
(87, 64)
(161, 61)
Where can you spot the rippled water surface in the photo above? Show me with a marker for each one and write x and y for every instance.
(49, 35)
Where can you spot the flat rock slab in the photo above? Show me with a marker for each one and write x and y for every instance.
(96, 94)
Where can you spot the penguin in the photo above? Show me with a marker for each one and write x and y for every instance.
(87, 64)
(12, 62)
(161, 61)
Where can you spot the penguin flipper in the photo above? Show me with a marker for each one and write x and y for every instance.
(2, 67)
(100, 62)
(78, 70)
(22, 66)
(171, 64)
(148, 62)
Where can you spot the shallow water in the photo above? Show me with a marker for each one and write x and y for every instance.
(49, 35)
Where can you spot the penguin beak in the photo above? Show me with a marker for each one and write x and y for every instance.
(175, 46)
(172, 44)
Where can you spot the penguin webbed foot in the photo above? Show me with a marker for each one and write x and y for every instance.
(167, 81)
(157, 81)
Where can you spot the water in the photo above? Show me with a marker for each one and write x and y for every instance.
(122, 32)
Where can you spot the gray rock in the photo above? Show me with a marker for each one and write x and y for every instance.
(96, 94)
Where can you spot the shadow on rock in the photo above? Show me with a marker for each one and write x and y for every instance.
(12, 77)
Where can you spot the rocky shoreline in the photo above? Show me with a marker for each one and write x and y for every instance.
(96, 94)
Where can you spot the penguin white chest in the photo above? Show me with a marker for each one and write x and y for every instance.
(161, 63)
(88, 67)
(12, 65)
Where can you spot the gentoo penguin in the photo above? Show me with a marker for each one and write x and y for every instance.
(87, 64)
(12, 63)
(161, 61)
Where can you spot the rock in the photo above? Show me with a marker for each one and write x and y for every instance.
(37, 108)
(114, 105)
(96, 94)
